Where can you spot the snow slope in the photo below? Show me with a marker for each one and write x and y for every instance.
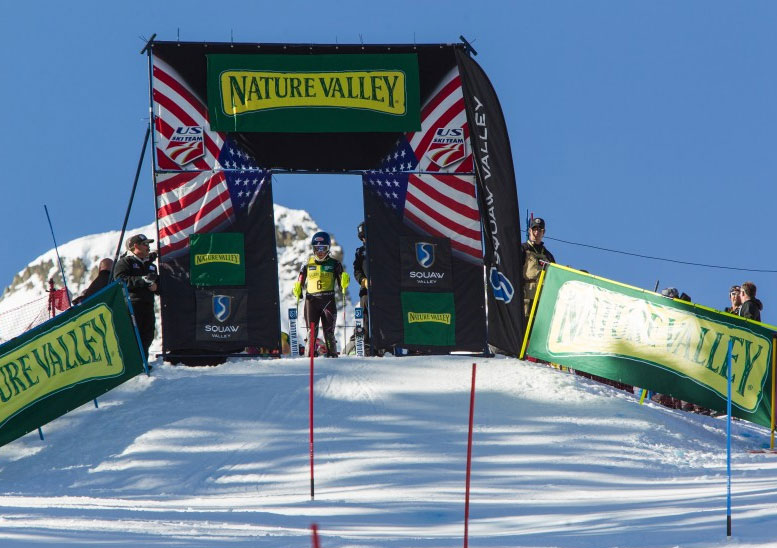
(219, 457)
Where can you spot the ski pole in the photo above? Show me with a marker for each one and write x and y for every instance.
(345, 335)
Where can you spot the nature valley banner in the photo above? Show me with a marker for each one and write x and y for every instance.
(643, 339)
(66, 362)
(314, 93)
(429, 318)
(217, 259)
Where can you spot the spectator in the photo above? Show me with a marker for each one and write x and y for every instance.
(137, 270)
(670, 293)
(735, 298)
(533, 253)
(319, 276)
(360, 272)
(102, 280)
(751, 307)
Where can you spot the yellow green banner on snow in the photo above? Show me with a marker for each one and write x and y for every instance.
(640, 338)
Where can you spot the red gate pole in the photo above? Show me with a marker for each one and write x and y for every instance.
(312, 344)
(315, 536)
(469, 456)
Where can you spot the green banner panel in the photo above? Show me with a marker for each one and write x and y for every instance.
(217, 259)
(314, 93)
(66, 362)
(640, 338)
(429, 318)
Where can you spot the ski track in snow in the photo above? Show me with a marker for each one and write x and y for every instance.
(219, 457)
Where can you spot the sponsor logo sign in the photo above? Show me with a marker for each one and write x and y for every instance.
(205, 258)
(83, 349)
(222, 317)
(313, 93)
(217, 259)
(426, 263)
(186, 144)
(592, 320)
(429, 318)
(447, 147)
(415, 317)
(640, 338)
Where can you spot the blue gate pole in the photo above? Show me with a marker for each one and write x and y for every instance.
(728, 443)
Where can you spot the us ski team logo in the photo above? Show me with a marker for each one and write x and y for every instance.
(424, 254)
(447, 146)
(222, 307)
(186, 144)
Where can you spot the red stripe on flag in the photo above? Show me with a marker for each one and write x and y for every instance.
(180, 244)
(185, 94)
(177, 180)
(434, 195)
(190, 197)
(184, 224)
(453, 226)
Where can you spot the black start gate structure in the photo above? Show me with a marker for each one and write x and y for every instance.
(421, 124)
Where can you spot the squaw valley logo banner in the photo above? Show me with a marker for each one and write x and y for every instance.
(640, 338)
(66, 362)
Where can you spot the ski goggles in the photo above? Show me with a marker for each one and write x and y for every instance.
(320, 248)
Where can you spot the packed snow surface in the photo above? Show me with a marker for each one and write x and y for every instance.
(220, 457)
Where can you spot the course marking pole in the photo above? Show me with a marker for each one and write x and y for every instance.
(316, 544)
(469, 456)
(774, 382)
(312, 352)
(728, 442)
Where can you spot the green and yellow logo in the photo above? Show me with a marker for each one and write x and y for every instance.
(82, 349)
(206, 258)
(591, 320)
(245, 91)
(424, 317)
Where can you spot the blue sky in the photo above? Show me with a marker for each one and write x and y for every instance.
(648, 127)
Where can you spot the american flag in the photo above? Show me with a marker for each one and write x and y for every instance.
(442, 202)
(204, 194)
(442, 205)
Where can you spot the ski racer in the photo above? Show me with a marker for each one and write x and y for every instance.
(319, 276)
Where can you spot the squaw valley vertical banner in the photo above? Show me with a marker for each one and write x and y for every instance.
(498, 199)
(66, 362)
(666, 345)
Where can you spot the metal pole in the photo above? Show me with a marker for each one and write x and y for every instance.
(728, 442)
(59, 260)
(469, 456)
(132, 197)
(312, 352)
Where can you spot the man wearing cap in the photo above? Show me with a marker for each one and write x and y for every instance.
(735, 298)
(137, 270)
(534, 253)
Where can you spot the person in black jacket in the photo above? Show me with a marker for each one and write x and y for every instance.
(751, 307)
(137, 270)
(360, 272)
(103, 279)
(533, 253)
